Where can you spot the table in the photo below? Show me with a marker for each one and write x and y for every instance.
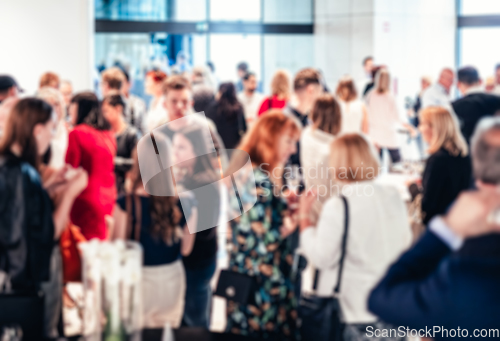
(192, 334)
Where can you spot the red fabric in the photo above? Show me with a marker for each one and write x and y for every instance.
(93, 150)
(72, 262)
(275, 104)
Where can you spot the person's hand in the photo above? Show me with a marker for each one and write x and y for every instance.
(292, 199)
(77, 183)
(473, 214)
(306, 202)
(288, 227)
(52, 177)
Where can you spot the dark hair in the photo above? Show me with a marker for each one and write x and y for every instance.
(248, 75)
(468, 75)
(346, 83)
(305, 77)
(243, 66)
(115, 100)
(23, 118)
(89, 111)
(176, 82)
(326, 115)
(376, 69)
(165, 214)
(211, 66)
(228, 104)
(366, 59)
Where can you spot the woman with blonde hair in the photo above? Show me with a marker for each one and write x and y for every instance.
(59, 143)
(354, 114)
(280, 92)
(261, 247)
(448, 169)
(370, 220)
(383, 116)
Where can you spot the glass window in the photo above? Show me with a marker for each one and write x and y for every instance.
(288, 11)
(140, 52)
(151, 10)
(230, 10)
(286, 51)
(227, 50)
(474, 51)
(480, 7)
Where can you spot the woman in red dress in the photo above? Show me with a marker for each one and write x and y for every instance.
(280, 93)
(92, 146)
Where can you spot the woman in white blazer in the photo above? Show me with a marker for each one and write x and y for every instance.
(378, 232)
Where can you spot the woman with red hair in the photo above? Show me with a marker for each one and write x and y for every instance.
(261, 245)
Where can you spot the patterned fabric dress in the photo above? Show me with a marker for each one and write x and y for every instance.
(260, 250)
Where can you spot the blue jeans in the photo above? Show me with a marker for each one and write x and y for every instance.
(198, 303)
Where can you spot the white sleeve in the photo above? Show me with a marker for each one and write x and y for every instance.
(443, 232)
(321, 244)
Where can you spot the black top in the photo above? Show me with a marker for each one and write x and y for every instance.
(304, 121)
(125, 144)
(445, 176)
(229, 126)
(26, 225)
(205, 244)
(472, 108)
(156, 251)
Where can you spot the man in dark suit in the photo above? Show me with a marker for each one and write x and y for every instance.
(475, 104)
(436, 289)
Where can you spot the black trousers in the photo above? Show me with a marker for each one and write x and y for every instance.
(394, 153)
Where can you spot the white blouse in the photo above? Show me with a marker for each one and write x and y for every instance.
(352, 116)
(314, 154)
(378, 233)
(383, 119)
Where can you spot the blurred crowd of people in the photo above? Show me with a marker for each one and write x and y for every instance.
(69, 167)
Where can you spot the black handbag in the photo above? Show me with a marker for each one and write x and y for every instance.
(324, 315)
(236, 287)
(21, 309)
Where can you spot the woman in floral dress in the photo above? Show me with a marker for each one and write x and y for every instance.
(260, 244)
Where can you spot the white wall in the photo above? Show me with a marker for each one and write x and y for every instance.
(413, 38)
(47, 35)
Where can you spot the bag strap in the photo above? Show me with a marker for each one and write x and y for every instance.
(343, 248)
(138, 216)
(344, 245)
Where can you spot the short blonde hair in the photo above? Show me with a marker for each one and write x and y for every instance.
(445, 131)
(280, 84)
(353, 158)
(114, 77)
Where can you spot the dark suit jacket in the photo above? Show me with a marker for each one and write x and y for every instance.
(431, 286)
(472, 108)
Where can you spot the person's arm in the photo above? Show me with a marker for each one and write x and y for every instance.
(417, 291)
(364, 122)
(120, 225)
(73, 153)
(188, 238)
(317, 243)
(69, 192)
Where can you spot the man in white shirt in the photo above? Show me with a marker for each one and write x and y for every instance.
(250, 98)
(438, 94)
